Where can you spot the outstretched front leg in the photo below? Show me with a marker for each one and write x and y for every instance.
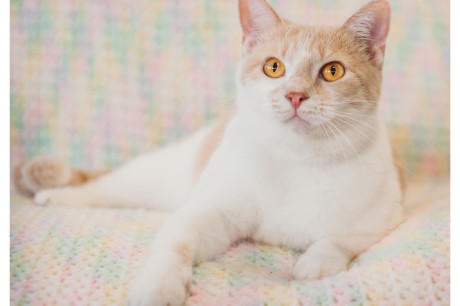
(221, 210)
(192, 235)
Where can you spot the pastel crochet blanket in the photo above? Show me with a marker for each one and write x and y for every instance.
(88, 256)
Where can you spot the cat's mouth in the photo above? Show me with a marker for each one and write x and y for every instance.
(298, 124)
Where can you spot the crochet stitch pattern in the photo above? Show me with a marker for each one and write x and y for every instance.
(89, 256)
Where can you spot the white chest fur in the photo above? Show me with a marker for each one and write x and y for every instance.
(301, 201)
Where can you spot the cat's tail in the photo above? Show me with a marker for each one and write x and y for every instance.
(41, 173)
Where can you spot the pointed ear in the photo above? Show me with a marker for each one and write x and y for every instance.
(256, 16)
(370, 25)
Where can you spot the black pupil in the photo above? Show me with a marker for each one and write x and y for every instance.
(275, 66)
(333, 70)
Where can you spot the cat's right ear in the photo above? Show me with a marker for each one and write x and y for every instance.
(256, 16)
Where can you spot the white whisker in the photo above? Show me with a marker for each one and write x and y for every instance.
(337, 139)
(343, 113)
(349, 142)
(340, 115)
(365, 135)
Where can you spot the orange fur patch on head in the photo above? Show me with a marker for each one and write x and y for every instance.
(322, 46)
(210, 144)
(349, 103)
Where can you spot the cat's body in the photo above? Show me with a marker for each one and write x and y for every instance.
(304, 163)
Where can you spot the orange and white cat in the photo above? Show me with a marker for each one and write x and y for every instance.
(305, 163)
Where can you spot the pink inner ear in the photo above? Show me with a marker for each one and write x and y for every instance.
(377, 54)
(372, 23)
(382, 12)
(255, 16)
(248, 44)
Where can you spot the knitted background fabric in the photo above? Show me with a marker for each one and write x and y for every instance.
(95, 83)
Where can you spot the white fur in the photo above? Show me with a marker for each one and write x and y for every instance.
(162, 179)
(250, 190)
(266, 181)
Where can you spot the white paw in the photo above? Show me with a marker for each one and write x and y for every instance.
(167, 291)
(66, 196)
(316, 265)
(161, 282)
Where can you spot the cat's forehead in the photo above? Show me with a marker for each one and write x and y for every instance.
(303, 49)
(295, 42)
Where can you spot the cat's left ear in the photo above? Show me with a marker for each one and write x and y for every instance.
(371, 25)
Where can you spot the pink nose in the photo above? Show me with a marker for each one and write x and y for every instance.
(296, 98)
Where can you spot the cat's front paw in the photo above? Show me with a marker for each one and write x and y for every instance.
(66, 196)
(316, 265)
(167, 291)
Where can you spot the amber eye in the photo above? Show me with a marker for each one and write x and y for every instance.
(274, 68)
(332, 72)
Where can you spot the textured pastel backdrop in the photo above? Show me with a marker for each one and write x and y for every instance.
(97, 82)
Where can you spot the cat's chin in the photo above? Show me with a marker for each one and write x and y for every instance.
(299, 125)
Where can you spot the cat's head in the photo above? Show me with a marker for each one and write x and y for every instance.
(311, 79)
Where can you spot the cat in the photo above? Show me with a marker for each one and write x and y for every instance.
(305, 163)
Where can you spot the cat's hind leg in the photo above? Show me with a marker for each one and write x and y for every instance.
(101, 191)
(161, 180)
(123, 187)
(116, 189)
(130, 186)
(65, 196)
